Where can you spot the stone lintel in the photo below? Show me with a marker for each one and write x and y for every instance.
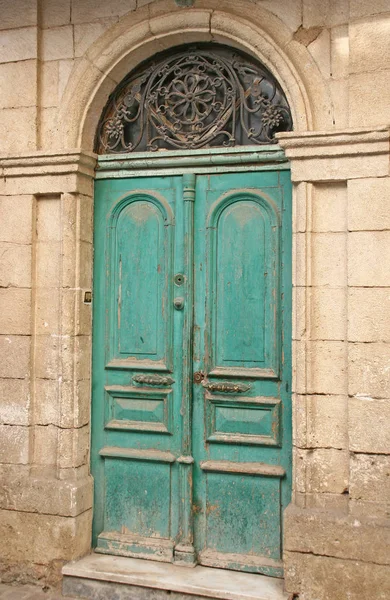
(337, 155)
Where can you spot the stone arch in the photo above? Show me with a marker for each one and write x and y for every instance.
(162, 25)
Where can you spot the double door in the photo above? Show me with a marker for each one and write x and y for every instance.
(191, 448)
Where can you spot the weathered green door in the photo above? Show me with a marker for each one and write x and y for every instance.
(191, 447)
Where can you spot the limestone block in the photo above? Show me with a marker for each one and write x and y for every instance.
(65, 69)
(49, 75)
(338, 89)
(326, 578)
(300, 356)
(15, 311)
(329, 207)
(48, 131)
(54, 13)
(299, 253)
(332, 534)
(14, 444)
(369, 204)
(18, 44)
(48, 259)
(86, 218)
(47, 357)
(300, 193)
(299, 411)
(362, 8)
(368, 99)
(329, 266)
(22, 13)
(323, 501)
(49, 218)
(45, 445)
(327, 422)
(288, 12)
(18, 131)
(75, 403)
(14, 356)
(57, 43)
(47, 311)
(328, 313)
(85, 11)
(76, 316)
(370, 44)
(327, 370)
(86, 33)
(18, 84)
(370, 477)
(369, 258)
(369, 429)
(15, 399)
(368, 314)
(16, 219)
(85, 265)
(326, 13)
(46, 401)
(15, 265)
(76, 357)
(339, 49)
(320, 51)
(322, 470)
(299, 312)
(369, 369)
(364, 508)
(73, 447)
(55, 537)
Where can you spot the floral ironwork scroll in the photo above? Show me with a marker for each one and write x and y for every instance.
(195, 97)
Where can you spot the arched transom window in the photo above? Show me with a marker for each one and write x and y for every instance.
(192, 97)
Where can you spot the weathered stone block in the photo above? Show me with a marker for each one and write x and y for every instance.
(17, 76)
(362, 508)
(323, 470)
(14, 356)
(16, 219)
(327, 370)
(370, 477)
(49, 219)
(325, 578)
(368, 315)
(73, 447)
(57, 43)
(15, 311)
(22, 13)
(329, 265)
(368, 90)
(369, 258)
(48, 259)
(45, 445)
(18, 44)
(328, 313)
(369, 204)
(15, 400)
(85, 11)
(75, 404)
(369, 429)
(329, 207)
(86, 34)
(327, 421)
(369, 43)
(46, 402)
(340, 51)
(54, 13)
(369, 373)
(15, 265)
(18, 133)
(55, 538)
(49, 74)
(361, 8)
(331, 534)
(47, 357)
(14, 444)
(47, 311)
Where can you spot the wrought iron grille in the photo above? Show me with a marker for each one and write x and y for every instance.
(195, 97)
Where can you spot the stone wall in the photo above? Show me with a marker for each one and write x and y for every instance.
(58, 63)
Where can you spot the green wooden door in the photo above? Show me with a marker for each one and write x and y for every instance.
(191, 444)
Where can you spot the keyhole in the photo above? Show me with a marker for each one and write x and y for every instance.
(179, 279)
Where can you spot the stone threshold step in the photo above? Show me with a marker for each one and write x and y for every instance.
(103, 577)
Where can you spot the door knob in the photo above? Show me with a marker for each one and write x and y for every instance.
(198, 376)
(178, 303)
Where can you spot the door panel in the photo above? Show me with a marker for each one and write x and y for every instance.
(191, 445)
(242, 454)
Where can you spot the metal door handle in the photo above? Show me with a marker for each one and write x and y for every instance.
(226, 387)
(153, 379)
(178, 303)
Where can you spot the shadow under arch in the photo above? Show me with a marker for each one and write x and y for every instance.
(160, 26)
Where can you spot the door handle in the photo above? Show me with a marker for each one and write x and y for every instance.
(178, 303)
(226, 387)
(153, 379)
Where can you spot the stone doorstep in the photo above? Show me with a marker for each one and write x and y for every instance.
(102, 577)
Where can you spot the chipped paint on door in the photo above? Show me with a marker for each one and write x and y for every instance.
(191, 445)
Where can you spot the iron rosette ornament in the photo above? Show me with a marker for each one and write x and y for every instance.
(197, 97)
